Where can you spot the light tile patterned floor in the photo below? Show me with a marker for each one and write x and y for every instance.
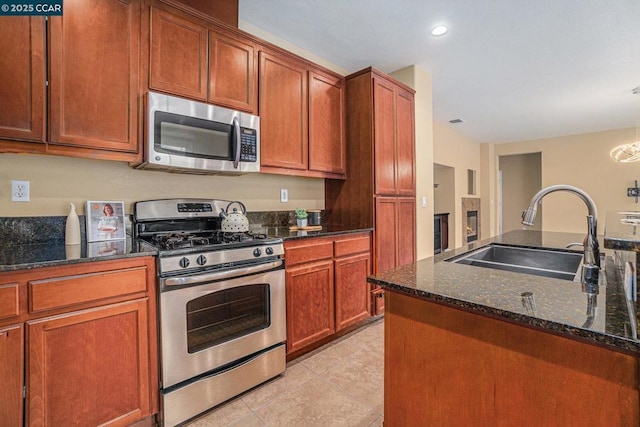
(340, 384)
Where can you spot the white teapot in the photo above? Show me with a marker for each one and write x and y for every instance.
(234, 222)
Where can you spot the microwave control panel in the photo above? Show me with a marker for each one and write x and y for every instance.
(248, 145)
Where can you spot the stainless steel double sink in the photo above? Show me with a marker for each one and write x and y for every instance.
(546, 262)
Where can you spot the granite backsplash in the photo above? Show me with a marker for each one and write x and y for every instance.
(43, 229)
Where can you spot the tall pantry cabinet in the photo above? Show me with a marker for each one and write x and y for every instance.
(379, 191)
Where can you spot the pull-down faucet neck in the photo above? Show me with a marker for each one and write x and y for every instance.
(591, 257)
(529, 216)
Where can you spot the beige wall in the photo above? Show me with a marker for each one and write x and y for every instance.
(55, 181)
(444, 192)
(582, 161)
(521, 179)
(452, 149)
(420, 80)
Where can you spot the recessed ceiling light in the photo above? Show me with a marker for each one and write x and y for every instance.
(439, 30)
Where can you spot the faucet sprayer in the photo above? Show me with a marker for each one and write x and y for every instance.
(591, 255)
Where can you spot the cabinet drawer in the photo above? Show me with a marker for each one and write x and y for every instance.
(9, 300)
(70, 290)
(311, 251)
(352, 246)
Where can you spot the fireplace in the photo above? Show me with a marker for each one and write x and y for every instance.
(470, 220)
(472, 226)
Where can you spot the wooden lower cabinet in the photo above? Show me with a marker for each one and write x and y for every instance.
(81, 339)
(447, 367)
(327, 289)
(12, 374)
(89, 367)
(395, 225)
(352, 299)
(310, 304)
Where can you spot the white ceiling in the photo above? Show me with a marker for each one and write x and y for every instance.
(512, 70)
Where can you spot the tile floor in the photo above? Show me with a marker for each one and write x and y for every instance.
(340, 384)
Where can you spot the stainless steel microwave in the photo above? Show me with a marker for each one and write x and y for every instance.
(187, 136)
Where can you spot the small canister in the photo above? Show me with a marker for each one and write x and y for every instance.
(314, 216)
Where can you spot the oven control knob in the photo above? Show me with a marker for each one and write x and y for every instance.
(269, 250)
(202, 260)
(184, 262)
(257, 252)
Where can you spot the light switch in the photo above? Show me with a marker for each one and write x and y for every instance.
(284, 195)
(424, 201)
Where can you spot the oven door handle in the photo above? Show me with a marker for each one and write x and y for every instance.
(210, 277)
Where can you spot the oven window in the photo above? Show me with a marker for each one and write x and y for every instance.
(225, 315)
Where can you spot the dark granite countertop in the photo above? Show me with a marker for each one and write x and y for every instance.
(27, 256)
(622, 231)
(560, 306)
(286, 234)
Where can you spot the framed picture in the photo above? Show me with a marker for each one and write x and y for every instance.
(106, 248)
(105, 221)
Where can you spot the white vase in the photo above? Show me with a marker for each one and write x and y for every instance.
(72, 231)
(302, 223)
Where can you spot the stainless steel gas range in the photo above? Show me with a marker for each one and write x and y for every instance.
(221, 305)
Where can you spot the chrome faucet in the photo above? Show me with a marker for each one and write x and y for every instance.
(591, 255)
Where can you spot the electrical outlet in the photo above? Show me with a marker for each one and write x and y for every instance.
(284, 195)
(19, 191)
(424, 201)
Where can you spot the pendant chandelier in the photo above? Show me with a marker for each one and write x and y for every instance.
(627, 153)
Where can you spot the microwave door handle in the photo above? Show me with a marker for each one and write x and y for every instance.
(237, 145)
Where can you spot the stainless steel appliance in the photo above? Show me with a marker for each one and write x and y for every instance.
(221, 305)
(182, 135)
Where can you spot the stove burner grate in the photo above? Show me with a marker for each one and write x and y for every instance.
(181, 240)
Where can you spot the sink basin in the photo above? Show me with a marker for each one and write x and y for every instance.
(539, 261)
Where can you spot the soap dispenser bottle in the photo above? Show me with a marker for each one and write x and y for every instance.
(72, 232)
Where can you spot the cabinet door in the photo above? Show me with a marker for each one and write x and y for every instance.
(352, 289)
(406, 226)
(385, 234)
(310, 304)
(177, 55)
(327, 147)
(384, 131)
(22, 87)
(94, 57)
(405, 144)
(233, 77)
(89, 367)
(12, 373)
(283, 113)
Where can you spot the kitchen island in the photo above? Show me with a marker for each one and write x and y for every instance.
(461, 348)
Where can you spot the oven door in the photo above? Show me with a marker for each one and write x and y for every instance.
(210, 320)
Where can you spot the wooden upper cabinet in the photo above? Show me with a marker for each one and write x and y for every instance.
(405, 144)
(385, 138)
(327, 147)
(177, 55)
(394, 139)
(233, 72)
(94, 68)
(22, 86)
(283, 113)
